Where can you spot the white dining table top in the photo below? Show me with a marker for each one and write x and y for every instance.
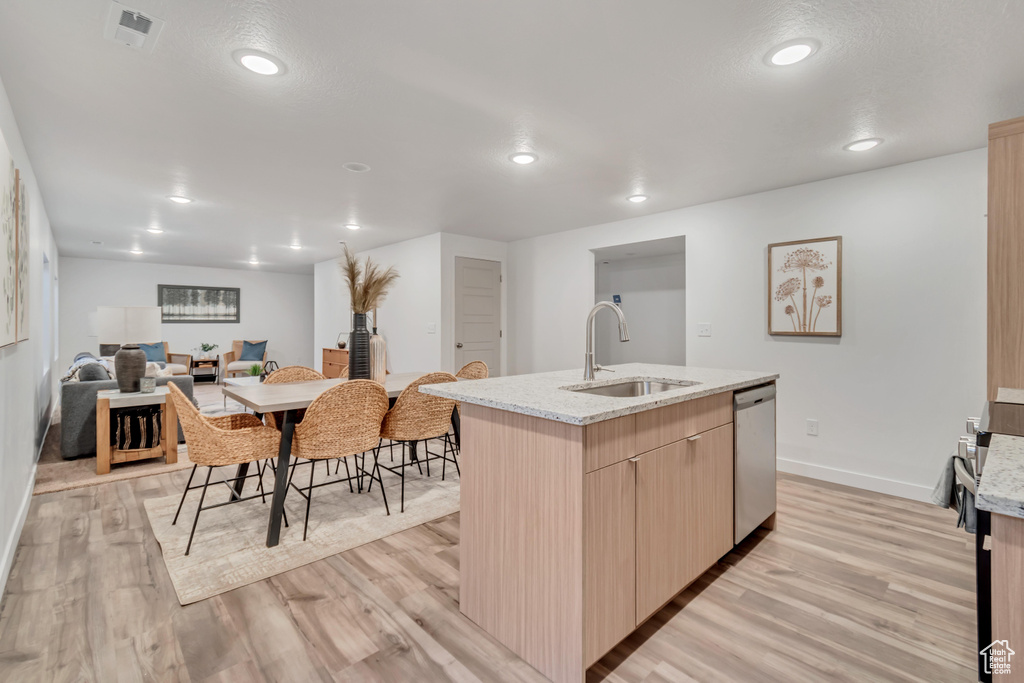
(271, 398)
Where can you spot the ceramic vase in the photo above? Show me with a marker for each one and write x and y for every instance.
(130, 367)
(359, 348)
(378, 358)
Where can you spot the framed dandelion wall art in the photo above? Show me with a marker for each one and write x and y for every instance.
(805, 288)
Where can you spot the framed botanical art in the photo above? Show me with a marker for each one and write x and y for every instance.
(188, 304)
(805, 288)
(8, 248)
(21, 308)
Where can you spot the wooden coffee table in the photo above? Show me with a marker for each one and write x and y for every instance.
(206, 363)
(112, 400)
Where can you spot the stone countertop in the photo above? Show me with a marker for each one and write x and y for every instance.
(1001, 489)
(543, 394)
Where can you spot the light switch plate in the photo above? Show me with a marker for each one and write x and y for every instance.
(703, 329)
(431, 328)
(812, 427)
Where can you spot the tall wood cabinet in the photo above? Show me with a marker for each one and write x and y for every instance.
(1005, 255)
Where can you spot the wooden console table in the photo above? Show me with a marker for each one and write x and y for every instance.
(112, 400)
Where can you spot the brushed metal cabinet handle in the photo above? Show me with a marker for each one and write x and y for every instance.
(635, 459)
(694, 437)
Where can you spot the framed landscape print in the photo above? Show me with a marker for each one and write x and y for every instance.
(8, 248)
(188, 304)
(805, 288)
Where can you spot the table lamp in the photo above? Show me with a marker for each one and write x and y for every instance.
(127, 326)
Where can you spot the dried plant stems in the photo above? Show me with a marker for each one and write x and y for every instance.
(368, 284)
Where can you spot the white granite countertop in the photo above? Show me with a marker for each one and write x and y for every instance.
(1001, 489)
(543, 394)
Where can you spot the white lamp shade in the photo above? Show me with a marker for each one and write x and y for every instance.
(128, 324)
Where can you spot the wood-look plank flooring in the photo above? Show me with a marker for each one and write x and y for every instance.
(852, 586)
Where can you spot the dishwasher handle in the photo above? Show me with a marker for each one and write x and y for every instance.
(753, 397)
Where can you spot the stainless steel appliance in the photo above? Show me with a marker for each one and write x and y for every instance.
(754, 465)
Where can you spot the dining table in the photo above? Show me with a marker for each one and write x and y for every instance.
(289, 398)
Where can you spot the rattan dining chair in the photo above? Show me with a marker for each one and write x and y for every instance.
(219, 441)
(420, 417)
(476, 369)
(343, 421)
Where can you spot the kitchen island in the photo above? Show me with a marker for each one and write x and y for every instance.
(583, 514)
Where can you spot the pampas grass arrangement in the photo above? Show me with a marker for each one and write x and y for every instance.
(368, 283)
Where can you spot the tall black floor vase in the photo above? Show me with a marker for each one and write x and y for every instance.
(359, 348)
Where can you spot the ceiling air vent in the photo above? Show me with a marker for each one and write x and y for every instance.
(131, 27)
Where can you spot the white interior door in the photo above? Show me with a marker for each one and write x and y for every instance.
(478, 313)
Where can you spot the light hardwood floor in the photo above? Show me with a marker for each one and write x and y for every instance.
(852, 586)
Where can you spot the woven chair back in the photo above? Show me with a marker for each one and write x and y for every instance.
(342, 421)
(212, 446)
(418, 416)
(293, 373)
(476, 369)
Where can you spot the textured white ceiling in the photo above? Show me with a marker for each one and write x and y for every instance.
(664, 97)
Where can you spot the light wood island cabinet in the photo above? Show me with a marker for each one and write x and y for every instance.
(574, 535)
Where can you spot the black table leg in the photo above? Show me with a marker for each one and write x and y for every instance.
(240, 473)
(457, 427)
(281, 480)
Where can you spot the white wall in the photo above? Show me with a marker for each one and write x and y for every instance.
(277, 307)
(653, 291)
(411, 308)
(29, 381)
(891, 395)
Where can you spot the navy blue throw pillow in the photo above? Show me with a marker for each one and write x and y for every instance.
(253, 351)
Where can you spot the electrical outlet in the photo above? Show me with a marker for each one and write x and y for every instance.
(812, 427)
(703, 329)
(431, 328)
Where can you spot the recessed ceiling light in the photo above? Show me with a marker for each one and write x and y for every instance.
(352, 226)
(296, 246)
(863, 145)
(254, 261)
(155, 231)
(523, 158)
(791, 52)
(178, 199)
(136, 251)
(259, 62)
(356, 167)
(637, 198)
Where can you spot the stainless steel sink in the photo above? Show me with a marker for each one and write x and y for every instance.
(632, 388)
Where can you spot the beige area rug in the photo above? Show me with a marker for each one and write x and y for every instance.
(229, 550)
(56, 474)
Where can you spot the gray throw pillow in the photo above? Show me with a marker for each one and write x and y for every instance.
(93, 372)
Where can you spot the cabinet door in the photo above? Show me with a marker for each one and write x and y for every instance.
(683, 515)
(609, 562)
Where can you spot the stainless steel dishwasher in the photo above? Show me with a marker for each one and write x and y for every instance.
(754, 464)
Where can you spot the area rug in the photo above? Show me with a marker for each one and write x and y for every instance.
(53, 473)
(229, 550)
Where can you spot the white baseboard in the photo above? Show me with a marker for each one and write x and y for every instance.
(7, 560)
(857, 480)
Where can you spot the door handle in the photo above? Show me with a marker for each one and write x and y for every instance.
(459, 345)
(635, 459)
(693, 438)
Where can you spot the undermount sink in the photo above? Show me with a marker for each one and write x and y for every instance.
(631, 388)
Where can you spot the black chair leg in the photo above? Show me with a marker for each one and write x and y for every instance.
(348, 474)
(183, 494)
(199, 509)
(403, 477)
(309, 500)
(376, 470)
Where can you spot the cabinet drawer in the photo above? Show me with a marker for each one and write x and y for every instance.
(336, 356)
(606, 443)
(333, 370)
(662, 426)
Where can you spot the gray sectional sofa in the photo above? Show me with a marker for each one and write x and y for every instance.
(78, 413)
